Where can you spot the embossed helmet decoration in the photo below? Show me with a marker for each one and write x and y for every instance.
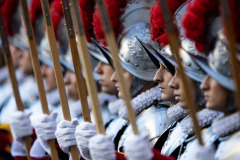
(159, 35)
(129, 21)
(215, 45)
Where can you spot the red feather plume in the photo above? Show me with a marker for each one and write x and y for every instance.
(35, 10)
(116, 9)
(235, 16)
(158, 31)
(87, 9)
(8, 8)
(56, 14)
(196, 21)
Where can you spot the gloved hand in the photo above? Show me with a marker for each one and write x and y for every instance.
(66, 134)
(137, 147)
(45, 127)
(37, 151)
(18, 148)
(20, 125)
(203, 152)
(83, 133)
(102, 148)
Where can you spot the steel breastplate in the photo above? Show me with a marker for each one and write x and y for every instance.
(229, 149)
(175, 139)
(208, 139)
(115, 125)
(152, 120)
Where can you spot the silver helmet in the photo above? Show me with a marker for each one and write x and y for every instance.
(218, 64)
(97, 52)
(133, 57)
(165, 56)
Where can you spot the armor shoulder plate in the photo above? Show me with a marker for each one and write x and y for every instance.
(208, 139)
(151, 120)
(229, 149)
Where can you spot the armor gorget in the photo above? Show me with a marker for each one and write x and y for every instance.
(205, 118)
(226, 125)
(142, 101)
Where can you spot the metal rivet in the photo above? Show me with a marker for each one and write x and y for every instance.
(145, 67)
(128, 60)
(136, 65)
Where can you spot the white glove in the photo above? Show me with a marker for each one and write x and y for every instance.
(45, 127)
(83, 133)
(66, 134)
(204, 152)
(37, 151)
(18, 148)
(137, 147)
(20, 125)
(102, 148)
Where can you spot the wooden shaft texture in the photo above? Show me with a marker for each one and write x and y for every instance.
(173, 41)
(37, 70)
(76, 62)
(111, 41)
(13, 79)
(228, 23)
(57, 68)
(88, 70)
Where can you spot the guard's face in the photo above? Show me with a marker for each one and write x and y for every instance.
(215, 94)
(105, 71)
(25, 63)
(16, 54)
(128, 79)
(49, 77)
(177, 85)
(163, 77)
(70, 81)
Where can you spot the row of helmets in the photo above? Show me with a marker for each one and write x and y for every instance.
(133, 30)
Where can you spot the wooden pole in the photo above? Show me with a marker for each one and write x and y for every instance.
(76, 61)
(37, 70)
(229, 30)
(57, 69)
(88, 70)
(12, 76)
(111, 41)
(174, 45)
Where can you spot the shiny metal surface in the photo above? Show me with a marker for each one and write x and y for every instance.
(208, 139)
(229, 149)
(174, 140)
(218, 64)
(133, 57)
(152, 120)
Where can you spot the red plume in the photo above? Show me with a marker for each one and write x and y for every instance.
(87, 10)
(116, 9)
(35, 10)
(235, 14)
(158, 31)
(196, 21)
(56, 14)
(8, 8)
